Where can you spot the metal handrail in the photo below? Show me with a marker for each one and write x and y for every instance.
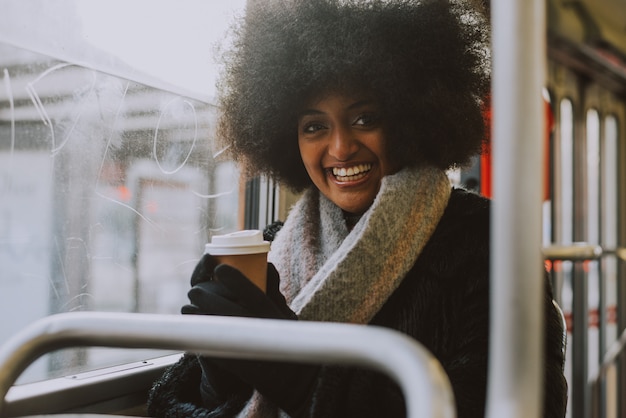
(580, 251)
(516, 339)
(424, 383)
(612, 354)
(611, 357)
(620, 253)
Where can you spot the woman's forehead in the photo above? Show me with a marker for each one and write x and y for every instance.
(343, 94)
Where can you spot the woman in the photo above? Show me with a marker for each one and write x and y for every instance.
(363, 106)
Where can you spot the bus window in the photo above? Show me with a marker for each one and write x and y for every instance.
(110, 175)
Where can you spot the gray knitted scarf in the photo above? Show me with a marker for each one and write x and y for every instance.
(329, 273)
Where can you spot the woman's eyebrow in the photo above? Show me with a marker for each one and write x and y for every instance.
(310, 112)
(361, 103)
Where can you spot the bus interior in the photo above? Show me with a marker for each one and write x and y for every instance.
(112, 180)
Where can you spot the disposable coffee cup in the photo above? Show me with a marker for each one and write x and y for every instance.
(246, 251)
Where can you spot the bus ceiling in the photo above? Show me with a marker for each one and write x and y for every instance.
(596, 23)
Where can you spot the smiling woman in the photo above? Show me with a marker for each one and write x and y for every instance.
(363, 106)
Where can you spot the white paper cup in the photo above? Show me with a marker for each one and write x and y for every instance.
(246, 251)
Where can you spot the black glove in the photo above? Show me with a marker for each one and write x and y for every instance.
(219, 388)
(230, 293)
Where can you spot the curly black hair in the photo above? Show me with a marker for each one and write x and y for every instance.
(426, 63)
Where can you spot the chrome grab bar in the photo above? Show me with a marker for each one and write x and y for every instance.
(620, 253)
(605, 395)
(612, 354)
(514, 383)
(581, 251)
(424, 383)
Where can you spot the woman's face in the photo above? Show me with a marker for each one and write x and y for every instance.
(342, 144)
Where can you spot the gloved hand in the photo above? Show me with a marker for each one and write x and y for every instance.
(230, 293)
(218, 386)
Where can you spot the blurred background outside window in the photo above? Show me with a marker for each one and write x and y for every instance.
(111, 180)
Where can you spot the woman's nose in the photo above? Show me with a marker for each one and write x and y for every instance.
(343, 145)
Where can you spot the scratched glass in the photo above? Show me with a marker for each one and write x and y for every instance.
(109, 189)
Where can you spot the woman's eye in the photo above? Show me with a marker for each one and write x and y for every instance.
(365, 119)
(311, 128)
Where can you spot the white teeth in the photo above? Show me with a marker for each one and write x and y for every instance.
(347, 174)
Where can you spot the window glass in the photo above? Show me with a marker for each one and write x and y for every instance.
(111, 180)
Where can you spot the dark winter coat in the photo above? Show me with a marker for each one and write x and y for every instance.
(443, 303)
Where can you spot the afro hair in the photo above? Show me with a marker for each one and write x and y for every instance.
(426, 62)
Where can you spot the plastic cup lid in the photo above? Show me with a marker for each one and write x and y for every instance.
(249, 241)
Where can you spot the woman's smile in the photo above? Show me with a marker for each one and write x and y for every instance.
(351, 174)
